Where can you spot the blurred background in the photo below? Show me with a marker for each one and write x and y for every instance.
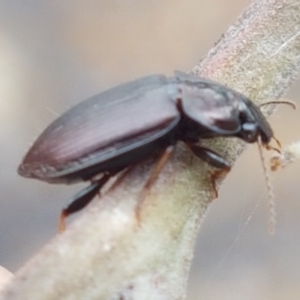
(54, 54)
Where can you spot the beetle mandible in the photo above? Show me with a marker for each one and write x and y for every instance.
(113, 130)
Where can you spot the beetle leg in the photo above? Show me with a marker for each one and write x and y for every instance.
(214, 159)
(269, 147)
(209, 156)
(160, 164)
(121, 177)
(155, 172)
(216, 175)
(81, 199)
(277, 142)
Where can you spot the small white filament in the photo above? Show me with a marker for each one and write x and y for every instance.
(271, 196)
(56, 114)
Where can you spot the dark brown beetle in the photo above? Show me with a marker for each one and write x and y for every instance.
(122, 126)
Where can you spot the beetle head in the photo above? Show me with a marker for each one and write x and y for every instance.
(254, 124)
(220, 111)
(223, 111)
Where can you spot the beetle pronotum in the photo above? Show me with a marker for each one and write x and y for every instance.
(124, 125)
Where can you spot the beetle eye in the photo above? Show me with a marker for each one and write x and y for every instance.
(249, 132)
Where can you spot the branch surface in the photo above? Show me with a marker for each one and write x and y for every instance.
(105, 253)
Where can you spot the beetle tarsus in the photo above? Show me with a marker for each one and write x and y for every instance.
(269, 147)
(216, 175)
(82, 199)
(62, 221)
(214, 159)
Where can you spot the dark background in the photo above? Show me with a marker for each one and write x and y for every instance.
(53, 54)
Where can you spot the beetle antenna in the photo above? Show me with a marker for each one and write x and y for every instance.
(283, 101)
(271, 196)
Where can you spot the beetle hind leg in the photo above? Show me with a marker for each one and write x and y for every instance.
(214, 159)
(82, 199)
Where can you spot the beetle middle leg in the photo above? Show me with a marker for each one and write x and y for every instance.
(82, 199)
(214, 159)
(153, 176)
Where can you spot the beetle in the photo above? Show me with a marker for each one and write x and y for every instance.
(115, 129)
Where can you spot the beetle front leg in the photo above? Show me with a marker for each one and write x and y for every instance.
(214, 159)
(215, 175)
(82, 199)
